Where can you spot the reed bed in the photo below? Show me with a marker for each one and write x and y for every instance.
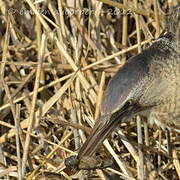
(56, 58)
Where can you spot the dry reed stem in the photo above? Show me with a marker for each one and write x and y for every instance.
(100, 96)
(17, 125)
(124, 31)
(140, 164)
(156, 15)
(116, 158)
(34, 99)
(128, 145)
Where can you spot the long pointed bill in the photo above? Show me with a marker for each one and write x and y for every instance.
(102, 128)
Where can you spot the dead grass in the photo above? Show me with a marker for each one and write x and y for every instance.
(56, 60)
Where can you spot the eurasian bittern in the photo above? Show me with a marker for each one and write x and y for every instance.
(148, 82)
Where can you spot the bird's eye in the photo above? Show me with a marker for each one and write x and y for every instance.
(129, 102)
